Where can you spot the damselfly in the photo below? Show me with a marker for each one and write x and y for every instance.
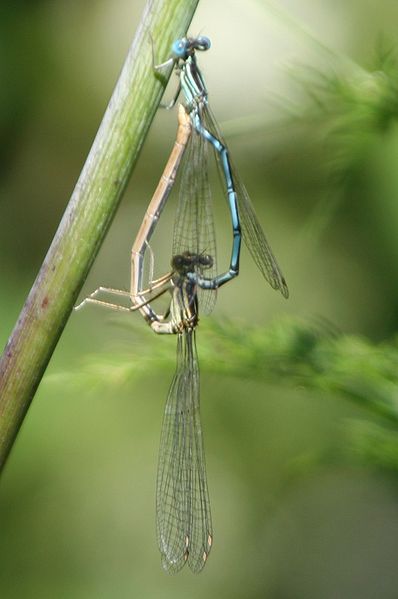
(193, 224)
(183, 517)
(184, 528)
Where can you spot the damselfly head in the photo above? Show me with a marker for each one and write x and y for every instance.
(188, 261)
(186, 46)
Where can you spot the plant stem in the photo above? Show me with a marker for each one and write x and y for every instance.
(89, 213)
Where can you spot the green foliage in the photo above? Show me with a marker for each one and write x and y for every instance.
(292, 353)
(373, 444)
(351, 104)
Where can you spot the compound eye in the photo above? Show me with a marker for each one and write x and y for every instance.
(206, 261)
(202, 43)
(179, 48)
(177, 262)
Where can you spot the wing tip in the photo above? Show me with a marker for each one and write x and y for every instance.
(284, 289)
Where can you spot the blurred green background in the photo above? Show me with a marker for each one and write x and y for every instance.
(299, 398)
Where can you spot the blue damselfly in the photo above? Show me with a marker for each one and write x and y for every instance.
(193, 224)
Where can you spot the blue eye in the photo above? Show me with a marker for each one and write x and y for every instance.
(179, 48)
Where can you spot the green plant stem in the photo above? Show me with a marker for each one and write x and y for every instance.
(89, 213)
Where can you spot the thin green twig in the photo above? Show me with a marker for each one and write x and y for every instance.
(88, 215)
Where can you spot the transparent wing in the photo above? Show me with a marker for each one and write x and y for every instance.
(194, 223)
(252, 232)
(184, 527)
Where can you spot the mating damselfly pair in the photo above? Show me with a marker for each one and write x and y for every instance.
(184, 525)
